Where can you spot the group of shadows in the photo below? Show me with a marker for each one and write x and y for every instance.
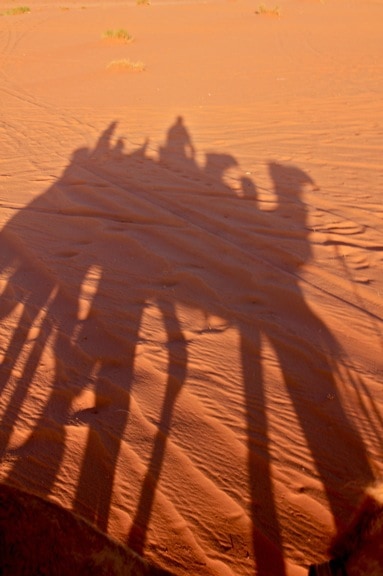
(248, 272)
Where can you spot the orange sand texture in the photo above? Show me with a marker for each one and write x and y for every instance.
(191, 272)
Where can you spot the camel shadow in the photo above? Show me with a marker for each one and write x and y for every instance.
(119, 230)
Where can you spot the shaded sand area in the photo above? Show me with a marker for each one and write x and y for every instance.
(191, 276)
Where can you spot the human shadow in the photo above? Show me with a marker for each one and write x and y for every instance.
(248, 267)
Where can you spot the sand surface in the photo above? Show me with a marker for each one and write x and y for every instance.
(191, 281)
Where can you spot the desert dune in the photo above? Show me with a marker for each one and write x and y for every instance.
(191, 252)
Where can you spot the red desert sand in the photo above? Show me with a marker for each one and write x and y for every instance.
(191, 256)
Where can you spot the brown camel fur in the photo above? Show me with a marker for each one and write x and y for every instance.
(39, 538)
(358, 551)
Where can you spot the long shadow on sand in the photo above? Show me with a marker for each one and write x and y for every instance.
(97, 230)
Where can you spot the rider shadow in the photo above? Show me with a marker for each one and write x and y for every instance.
(109, 248)
(307, 354)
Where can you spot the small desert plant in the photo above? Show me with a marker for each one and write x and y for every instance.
(126, 64)
(262, 9)
(143, 2)
(120, 34)
(17, 10)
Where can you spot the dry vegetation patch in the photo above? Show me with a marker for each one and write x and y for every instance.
(120, 34)
(126, 65)
(17, 10)
(264, 10)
